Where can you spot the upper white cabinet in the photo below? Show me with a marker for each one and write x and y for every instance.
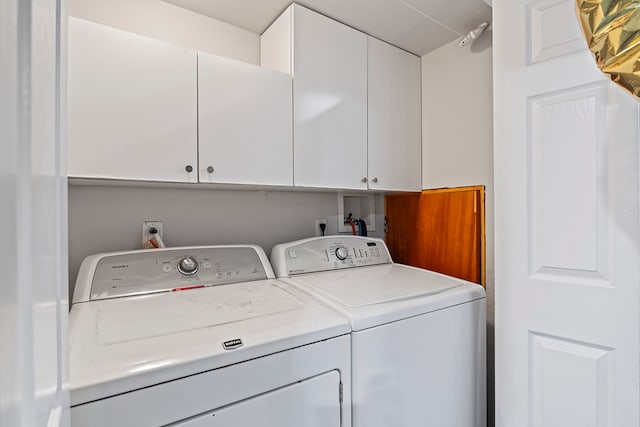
(132, 106)
(328, 62)
(330, 108)
(244, 123)
(394, 119)
(356, 102)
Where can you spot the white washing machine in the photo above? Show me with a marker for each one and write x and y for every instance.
(418, 341)
(203, 336)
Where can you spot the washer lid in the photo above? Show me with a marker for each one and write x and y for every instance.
(122, 344)
(379, 284)
(379, 294)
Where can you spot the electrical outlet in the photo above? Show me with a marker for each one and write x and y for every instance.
(148, 225)
(318, 229)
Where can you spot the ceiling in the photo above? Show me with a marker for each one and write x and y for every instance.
(418, 26)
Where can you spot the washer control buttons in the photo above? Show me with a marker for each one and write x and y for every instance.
(188, 266)
(167, 268)
(342, 253)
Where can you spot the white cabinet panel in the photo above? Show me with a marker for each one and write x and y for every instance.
(330, 102)
(132, 106)
(394, 118)
(329, 65)
(276, 44)
(357, 111)
(245, 123)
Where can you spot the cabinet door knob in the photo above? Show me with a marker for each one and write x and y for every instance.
(210, 169)
(364, 179)
(375, 179)
(188, 168)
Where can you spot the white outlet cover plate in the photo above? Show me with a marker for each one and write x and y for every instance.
(148, 225)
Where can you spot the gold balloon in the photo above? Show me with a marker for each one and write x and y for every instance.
(612, 30)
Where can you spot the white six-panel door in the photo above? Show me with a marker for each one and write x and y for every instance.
(567, 226)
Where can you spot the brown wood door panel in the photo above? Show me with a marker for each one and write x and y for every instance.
(439, 230)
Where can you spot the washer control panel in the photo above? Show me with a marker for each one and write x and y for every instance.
(328, 253)
(144, 272)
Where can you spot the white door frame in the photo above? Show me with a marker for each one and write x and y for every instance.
(33, 214)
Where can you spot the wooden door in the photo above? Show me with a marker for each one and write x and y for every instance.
(440, 230)
(567, 230)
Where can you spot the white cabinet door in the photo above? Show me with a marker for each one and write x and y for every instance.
(245, 123)
(330, 102)
(131, 106)
(328, 61)
(567, 229)
(394, 118)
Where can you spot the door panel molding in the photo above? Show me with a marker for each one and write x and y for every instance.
(547, 39)
(569, 212)
(569, 382)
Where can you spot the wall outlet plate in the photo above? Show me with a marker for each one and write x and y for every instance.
(148, 225)
(318, 229)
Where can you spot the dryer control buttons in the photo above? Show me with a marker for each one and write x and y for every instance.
(342, 253)
(188, 266)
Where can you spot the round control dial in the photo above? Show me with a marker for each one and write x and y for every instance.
(342, 253)
(188, 266)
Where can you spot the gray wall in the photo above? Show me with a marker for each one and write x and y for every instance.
(109, 218)
(164, 21)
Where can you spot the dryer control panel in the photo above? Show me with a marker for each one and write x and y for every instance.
(328, 253)
(170, 269)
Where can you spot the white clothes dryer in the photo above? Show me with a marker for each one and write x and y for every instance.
(418, 341)
(203, 336)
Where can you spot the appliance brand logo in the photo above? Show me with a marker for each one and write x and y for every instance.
(232, 344)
